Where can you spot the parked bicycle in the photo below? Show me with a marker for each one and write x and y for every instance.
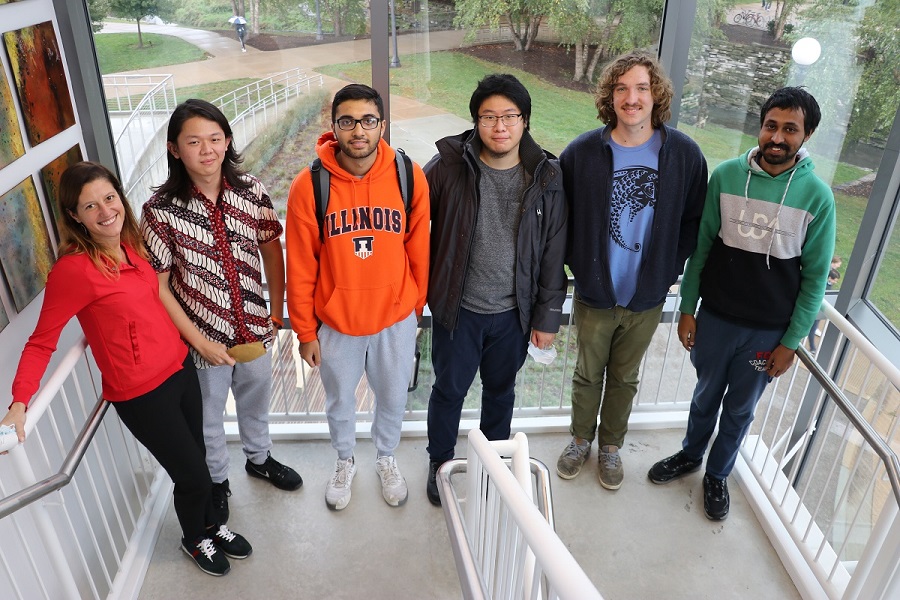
(749, 18)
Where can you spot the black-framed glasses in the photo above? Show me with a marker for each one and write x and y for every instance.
(349, 124)
(491, 120)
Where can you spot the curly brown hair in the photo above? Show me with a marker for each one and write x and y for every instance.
(660, 87)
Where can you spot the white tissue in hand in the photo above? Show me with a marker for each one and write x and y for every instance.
(8, 437)
(545, 357)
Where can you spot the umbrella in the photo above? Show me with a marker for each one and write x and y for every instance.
(236, 20)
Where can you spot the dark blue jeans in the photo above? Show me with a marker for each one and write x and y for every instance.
(496, 345)
(731, 375)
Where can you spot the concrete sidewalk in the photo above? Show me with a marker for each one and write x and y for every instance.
(414, 125)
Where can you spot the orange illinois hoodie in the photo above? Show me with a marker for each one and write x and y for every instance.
(369, 273)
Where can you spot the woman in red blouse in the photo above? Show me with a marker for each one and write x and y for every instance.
(102, 277)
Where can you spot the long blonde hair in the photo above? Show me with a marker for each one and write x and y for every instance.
(75, 238)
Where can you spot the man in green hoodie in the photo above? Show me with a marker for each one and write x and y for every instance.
(762, 259)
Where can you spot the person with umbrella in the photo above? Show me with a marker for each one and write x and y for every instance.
(240, 25)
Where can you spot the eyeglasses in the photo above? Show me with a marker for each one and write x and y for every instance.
(491, 120)
(348, 124)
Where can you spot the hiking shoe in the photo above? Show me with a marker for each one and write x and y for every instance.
(393, 485)
(715, 497)
(572, 459)
(281, 476)
(337, 494)
(611, 471)
(432, 488)
(205, 555)
(220, 493)
(669, 469)
(234, 545)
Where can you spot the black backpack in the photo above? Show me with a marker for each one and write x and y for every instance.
(321, 181)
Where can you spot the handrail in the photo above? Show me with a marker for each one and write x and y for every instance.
(37, 407)
(887, 455)
(144, 101)
(26, 496)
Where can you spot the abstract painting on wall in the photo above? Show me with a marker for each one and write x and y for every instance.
(11, 146)
(37, 66)
(25, 252)
(50, 178)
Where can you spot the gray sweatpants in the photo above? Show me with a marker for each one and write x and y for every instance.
(251, 384)
(387, 360)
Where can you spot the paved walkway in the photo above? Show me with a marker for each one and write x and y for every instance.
(414, 126)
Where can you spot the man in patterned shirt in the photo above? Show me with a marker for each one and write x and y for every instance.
(205, 229)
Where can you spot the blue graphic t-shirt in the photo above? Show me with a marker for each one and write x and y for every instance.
(631, 208)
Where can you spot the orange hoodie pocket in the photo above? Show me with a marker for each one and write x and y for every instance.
(361, 311)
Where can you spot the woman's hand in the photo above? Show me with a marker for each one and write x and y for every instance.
(16, 416)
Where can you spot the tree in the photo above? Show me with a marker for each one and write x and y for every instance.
(783, 10)
(524, 17)
(599, 29)
(138, 9)
(97, 11)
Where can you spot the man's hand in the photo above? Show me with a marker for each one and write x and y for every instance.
(542, 339)
(781, 359)
(214, 353)
(687, 330)
(310, 353)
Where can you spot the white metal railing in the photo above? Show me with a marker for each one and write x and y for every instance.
(505, 548)
(67, 532)
(825, 469)
(139, 126)
(253, 107)
(139, 108)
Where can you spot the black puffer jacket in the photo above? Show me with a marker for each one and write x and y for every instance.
(453, 179)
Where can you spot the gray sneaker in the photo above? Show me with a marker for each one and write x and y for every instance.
(572, 459)
(611, 471)
(393, 484)
(337, 494)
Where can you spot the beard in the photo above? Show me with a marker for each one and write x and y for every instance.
(787, 156)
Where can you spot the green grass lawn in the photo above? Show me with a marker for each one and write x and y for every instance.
(117, 52)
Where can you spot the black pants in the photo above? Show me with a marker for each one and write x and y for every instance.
(169, 422)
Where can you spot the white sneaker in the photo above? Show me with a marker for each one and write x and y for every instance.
(393, 485)
(337, 494)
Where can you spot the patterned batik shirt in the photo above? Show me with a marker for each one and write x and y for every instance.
(212, 253)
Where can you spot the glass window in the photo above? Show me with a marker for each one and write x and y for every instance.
(840, 51)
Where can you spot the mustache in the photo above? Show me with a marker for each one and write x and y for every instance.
(779, 146)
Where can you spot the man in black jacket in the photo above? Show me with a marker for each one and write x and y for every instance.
(635, 190)
(498, 238)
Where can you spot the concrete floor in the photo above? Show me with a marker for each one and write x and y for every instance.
(640, 542)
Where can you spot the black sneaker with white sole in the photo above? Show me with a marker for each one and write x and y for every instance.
(206, 555)
(281, 476)
(234, 545)
(716, 501)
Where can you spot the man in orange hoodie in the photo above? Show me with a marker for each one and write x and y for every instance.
(356, 284)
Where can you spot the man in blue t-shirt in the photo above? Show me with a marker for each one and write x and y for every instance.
(635, 190)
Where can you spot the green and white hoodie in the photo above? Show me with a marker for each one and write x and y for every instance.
(764, 247)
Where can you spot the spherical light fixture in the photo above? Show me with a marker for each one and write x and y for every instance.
(806, 51)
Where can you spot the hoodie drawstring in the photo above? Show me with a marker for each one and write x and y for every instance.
(777, 213)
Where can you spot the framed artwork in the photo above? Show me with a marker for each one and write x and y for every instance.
(40, 81)
(25, 252)
(11, 146)
(50, 175)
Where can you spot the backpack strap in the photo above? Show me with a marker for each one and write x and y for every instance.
(321, 182)
(405, 180)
